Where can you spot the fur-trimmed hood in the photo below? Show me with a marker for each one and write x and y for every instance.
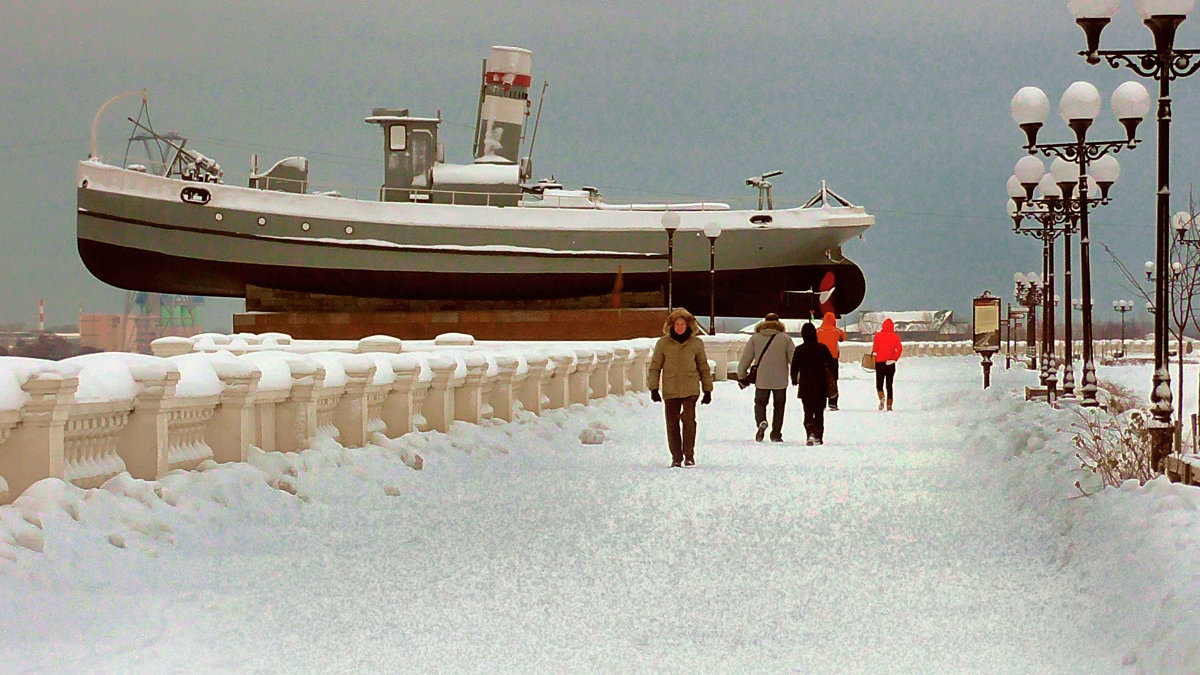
(770, 323)
(677, 313)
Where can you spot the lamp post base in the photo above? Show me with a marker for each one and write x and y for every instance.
(1161, 439)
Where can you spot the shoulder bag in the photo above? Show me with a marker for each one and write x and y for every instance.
(752, 373)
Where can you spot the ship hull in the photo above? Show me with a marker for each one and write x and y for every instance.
(135, 231)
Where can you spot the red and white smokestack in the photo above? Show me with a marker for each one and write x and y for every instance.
(41, 315)
(503, 105)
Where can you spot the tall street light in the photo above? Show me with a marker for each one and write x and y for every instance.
(670, 223)
(1078, 107)
(712, 231)
(1122, 306)
(1028, 293)
(1162, 64)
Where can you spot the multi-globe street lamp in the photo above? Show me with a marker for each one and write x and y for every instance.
(1078, 107)
(1163, 64)
(1050, 222)
(1122, 306)
(712, 231)
(670, 223)
(1027, 291)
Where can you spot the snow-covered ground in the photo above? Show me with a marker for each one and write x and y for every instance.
(946, 536)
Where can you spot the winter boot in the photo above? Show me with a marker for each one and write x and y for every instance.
(810, 441)
(762, 431)
(833, 403)
(889, 404)
(880, 399)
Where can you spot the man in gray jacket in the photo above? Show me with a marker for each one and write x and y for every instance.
(771, 347)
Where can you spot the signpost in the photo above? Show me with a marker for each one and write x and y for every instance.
(985, 330)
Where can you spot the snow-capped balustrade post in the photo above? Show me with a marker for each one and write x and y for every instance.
(598, 380)
(420, 391)
(144, 442)
(641, 365)
(398, 406)
(618, 370)
(33, 449)
(231, 431)
(439, 401)
(486, 410)
(502, 394)
(296, 417)
(716, 347)
(580, 378)
(169, 346)
(530, 390)
(556, 379)
(468, 395)
(350, 414)
(383, 344)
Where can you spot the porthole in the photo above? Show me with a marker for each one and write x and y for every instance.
(305, 226)
(218, 216)
(262, 221)
(349, 229)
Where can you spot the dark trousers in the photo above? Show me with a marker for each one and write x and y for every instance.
(681, 427)
(760, 409)
(831, 385)
(814, 416)
(883, 377)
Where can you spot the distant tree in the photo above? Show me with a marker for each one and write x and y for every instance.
(49, 346)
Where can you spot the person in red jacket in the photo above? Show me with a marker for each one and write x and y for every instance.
(887, 348)
(830, 335)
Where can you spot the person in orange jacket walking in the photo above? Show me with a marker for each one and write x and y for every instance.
(830, 335)
(887, 348)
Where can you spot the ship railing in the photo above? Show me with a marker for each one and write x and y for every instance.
(456, 197)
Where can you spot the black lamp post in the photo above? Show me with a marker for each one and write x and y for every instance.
(670, 223)
(1122, 306)
(1028, 293)
(1163, 64)
(1051, 220)
(1079, 106)
(712, 231)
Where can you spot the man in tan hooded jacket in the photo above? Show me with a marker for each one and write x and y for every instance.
(677, 374)
(771, 347)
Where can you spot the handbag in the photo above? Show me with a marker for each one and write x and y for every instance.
(868, 361)
(752, 372)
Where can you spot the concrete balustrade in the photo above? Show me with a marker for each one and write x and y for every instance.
(598, 380)
(641, 366)
(468, 393)
(351, 414)
(557, 380)
(446, 376)
(618, 371)
(501, 394)
(579, 380)
(530, 391)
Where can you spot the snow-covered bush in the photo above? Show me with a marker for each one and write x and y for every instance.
(1114, 445)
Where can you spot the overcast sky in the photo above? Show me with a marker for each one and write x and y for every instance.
(902, 106)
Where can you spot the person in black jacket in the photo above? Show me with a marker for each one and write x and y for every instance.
(809, 365)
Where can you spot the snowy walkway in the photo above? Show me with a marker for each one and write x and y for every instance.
(882, 551)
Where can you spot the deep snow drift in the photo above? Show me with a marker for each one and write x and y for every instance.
(945, 536)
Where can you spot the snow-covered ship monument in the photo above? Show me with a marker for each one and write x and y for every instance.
(445, 236)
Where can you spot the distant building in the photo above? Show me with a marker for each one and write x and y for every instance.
(916, 325)
(126, 333)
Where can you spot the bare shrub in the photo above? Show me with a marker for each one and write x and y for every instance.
(1113, 445)
(1120, 398)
